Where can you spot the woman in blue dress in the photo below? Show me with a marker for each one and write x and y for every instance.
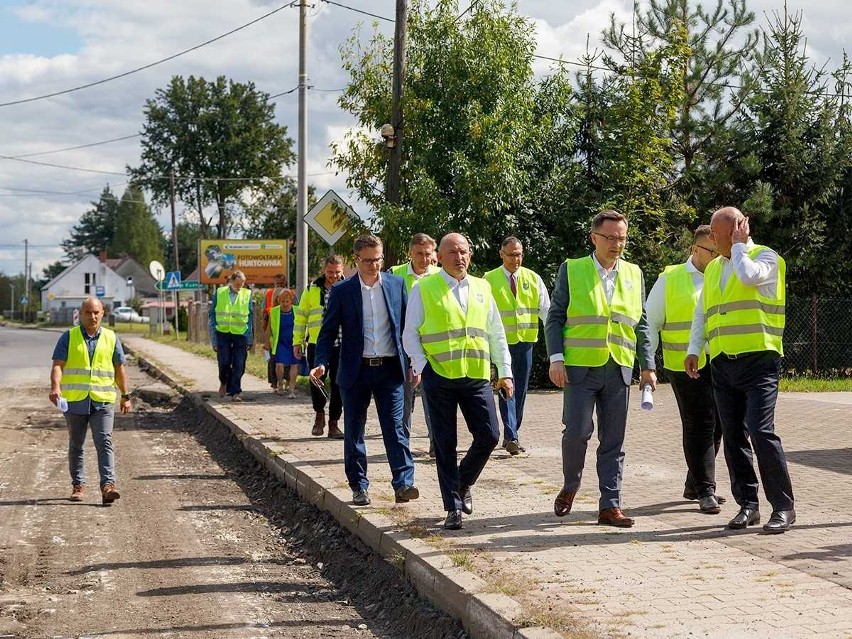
(279, 341)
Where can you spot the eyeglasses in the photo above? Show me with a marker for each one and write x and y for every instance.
(371, 261)
(612, 239)
(713, 252)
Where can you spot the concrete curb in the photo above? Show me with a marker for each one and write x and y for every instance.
(457, 592)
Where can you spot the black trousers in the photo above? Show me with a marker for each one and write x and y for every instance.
(746, 389)
(476, 400)
(702, 432)
(335, 404)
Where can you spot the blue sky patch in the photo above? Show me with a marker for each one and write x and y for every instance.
(19, 37)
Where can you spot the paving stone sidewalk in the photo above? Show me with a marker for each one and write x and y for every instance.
(677, 573)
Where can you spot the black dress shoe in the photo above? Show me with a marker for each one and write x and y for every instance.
(467, 500)
(746, 517)
(454, 520)
(691, 495)
(709, 505)
(780, 521)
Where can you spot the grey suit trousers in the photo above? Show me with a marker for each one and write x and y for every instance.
(606, 391)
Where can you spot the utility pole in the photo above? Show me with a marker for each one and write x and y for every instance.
(174, 226)
(400, 39)
(302, 151)
(25, 306)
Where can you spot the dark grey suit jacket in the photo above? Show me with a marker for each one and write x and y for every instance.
(556, 321)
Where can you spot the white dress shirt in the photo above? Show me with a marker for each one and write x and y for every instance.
(543, 295)
(655, 305)
(415, 315)
(378, 335)
(762, 272)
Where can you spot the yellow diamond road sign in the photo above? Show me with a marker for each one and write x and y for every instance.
(330, 217)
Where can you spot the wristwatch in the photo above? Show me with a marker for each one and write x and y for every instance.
(125, 397)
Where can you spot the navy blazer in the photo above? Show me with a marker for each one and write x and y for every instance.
(344, 312)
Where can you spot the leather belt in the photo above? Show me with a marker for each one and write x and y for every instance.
(377, 361)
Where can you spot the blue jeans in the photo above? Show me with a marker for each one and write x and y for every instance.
(101, 422)
(384, 385)
(231, 355)
(512, 410)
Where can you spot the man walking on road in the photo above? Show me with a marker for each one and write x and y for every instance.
(452, 334)
(231, 333)
(522, 299)
(308, 320)
(368, 311)
(595, 324)
(421, 252)
(670, 306)
(88, 366)
(741, 313)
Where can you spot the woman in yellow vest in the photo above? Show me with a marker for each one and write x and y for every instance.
(279, 341)
(231, 335)
(88, 366)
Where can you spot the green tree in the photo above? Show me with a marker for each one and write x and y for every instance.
(138, 234)
(96, 229)
(219, 139)
(467, 112)
(188, 236)
(49, 272)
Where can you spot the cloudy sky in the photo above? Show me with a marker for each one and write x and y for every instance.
(49, 46)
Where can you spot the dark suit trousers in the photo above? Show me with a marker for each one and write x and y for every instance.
(745, 390)
(702, 432)
(231, 356)
(476, 400)
(335, 405)
(384, 384)
(602, 390)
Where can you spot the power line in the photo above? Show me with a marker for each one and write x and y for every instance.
(152, 64)
(366, 13)
(72, 148)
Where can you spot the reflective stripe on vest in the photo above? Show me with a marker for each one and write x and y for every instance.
(681, 300)
(594, 331)
(410, 278)
(519, 315)
(308, 316)
(456, 345)
(232, 317)
(82, 378)
(740, 319)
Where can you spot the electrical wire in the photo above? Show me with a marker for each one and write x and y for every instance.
(148, 66)
(366, 13)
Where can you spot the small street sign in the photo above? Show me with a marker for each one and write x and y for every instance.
(185, 285)
(173, 281)
(100, 291)
(330, 217)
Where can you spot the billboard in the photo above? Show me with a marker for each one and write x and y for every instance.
(260, 260)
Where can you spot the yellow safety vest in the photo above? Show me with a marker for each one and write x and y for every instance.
(681, 300)
(82, 378)
(594, 331)
(232, 318)
(308, 316)
(740, 319)
(410, 279)
(519, 314)
(456, 345)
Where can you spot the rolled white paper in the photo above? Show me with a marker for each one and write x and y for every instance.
(647, 397)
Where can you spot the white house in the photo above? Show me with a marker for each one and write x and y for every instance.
(90, 276)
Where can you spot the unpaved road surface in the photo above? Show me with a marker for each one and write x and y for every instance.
(202, 544)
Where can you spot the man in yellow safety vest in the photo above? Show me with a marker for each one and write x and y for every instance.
(231, 319)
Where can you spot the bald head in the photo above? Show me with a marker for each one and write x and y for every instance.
(454, 254)
(91, 313)
(722, 225)
(92, 303)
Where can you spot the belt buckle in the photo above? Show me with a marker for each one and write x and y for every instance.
(374, 361)
(729, 356)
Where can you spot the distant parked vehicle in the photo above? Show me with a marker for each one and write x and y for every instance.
(128, 314)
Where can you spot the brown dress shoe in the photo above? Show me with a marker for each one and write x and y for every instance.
(110, 494)
(319, 425)
(614, 517)
(76, 493)
(333, 431)
(563, 502)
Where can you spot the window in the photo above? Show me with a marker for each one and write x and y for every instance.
(89, 283)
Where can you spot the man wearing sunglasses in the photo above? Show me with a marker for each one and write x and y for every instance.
(368, 310)
(670, 306)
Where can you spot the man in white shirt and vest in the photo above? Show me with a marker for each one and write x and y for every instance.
(595, 330)
(523, 300)
(670, 307)
(741, 314)
(231, 333)
(421, 252)
(88, 367)
(367, 311)
(452, 334)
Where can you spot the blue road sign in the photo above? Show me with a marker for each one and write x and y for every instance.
(173, 281)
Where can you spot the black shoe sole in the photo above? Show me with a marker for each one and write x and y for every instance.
(743, 526)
